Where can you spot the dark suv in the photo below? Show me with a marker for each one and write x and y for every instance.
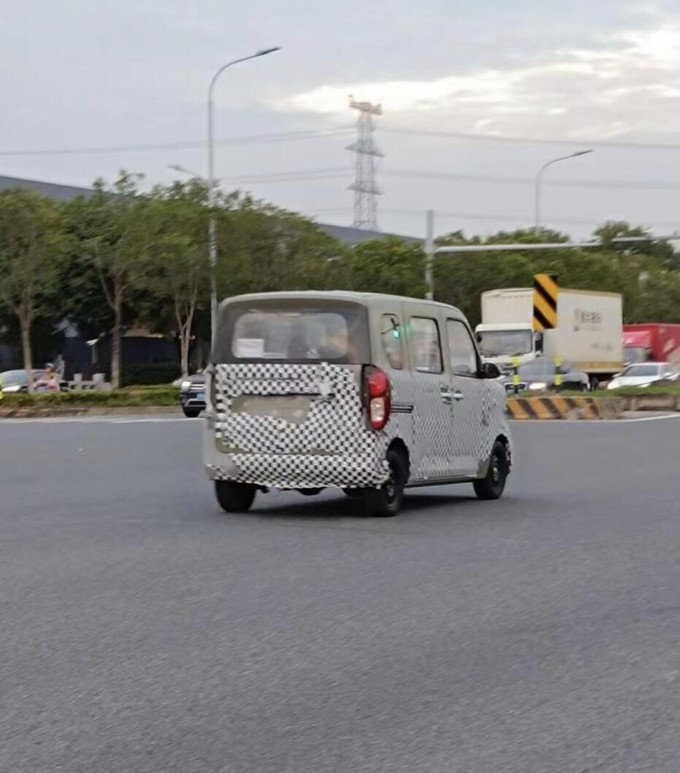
(192, 395)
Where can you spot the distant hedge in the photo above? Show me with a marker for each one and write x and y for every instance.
(130, 397)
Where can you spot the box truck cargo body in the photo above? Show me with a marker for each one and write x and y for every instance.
(588, 335)
(655, 341)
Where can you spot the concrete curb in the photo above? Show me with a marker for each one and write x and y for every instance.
(663, 403)
(31, 412)
(556, 408)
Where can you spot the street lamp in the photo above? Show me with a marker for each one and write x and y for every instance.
(212, 227)
(538, 182)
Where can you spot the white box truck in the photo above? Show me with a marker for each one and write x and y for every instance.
(588, 336)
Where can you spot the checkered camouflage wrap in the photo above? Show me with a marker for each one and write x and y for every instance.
(329, 445)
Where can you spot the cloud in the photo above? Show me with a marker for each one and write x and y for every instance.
(627, 82)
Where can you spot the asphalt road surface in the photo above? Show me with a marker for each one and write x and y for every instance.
(143, 631)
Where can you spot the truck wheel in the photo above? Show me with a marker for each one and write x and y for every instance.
(493, 484)
(191, 413)
(234, 497)
(385, 501)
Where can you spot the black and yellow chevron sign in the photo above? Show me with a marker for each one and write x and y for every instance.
(546, 291)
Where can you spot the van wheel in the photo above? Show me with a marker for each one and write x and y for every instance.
(386, 501)
(493, 484)
(234, 497)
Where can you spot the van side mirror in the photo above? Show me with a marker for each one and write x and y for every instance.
(490, 370)
(539, 343)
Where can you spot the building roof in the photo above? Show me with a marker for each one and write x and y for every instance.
(351, 236)
(52, 190)
(346, 234)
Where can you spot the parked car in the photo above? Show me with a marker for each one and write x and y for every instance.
(360, 392)
(16, 381)
(644, 374)
(541, 375)
(192, 395)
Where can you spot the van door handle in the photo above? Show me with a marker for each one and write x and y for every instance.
(447, 395)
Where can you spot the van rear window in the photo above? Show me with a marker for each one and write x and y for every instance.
(292, 333)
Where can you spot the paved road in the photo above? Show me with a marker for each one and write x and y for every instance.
(142, 631)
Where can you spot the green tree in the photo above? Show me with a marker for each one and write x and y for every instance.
(265, 248)
(174, 270)
(31, 243)
(113, 235)
(390, 265)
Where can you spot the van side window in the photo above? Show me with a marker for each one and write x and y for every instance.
(392, 340)
(426, 345)
(461, 349)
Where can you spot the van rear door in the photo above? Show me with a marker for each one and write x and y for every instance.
(287, 376)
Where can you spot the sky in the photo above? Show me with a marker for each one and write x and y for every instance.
(476, 96)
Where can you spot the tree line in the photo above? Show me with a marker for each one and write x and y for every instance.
(122, 256)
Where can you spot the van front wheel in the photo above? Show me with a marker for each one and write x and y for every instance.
(493, 484)
(386, 501)
(234, 497)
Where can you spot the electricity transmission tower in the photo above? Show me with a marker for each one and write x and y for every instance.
(364, 187)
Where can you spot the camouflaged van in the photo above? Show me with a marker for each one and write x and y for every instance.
(362, 392)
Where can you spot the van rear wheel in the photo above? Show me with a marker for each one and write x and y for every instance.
(234, 497)
(385, 501)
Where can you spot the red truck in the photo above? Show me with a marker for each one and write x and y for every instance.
(652, 341)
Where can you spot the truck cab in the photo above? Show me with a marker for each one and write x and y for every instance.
(508, 344)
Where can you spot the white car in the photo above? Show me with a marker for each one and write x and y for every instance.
(643, 374)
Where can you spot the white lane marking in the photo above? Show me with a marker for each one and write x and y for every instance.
(99, 420)
(596, 422)
(182, 419)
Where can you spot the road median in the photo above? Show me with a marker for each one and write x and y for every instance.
(564, 408)
(593, 407)
(121, 402)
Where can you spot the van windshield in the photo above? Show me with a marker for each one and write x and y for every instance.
(292, 332)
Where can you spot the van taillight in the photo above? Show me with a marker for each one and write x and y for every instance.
(378, 397)
(213, 387)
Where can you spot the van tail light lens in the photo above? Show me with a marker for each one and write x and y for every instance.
(213, 387)
(377, 397)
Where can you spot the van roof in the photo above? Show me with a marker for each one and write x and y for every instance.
(341, 295)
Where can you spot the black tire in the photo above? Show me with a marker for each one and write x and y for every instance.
(191, 413)
(385, 502)
(493, 485)
(234, 497)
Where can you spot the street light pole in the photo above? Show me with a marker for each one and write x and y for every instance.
(539, 176)
(212, 225)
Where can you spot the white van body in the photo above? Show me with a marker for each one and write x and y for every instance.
(403, 386)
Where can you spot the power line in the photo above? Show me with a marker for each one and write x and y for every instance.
(499, 217)
(302, 176)
(252, 139)
(530, 140)
(336, 172)
(569, 183)
(333, 132)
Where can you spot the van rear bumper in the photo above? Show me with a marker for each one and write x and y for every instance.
(292, 471)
